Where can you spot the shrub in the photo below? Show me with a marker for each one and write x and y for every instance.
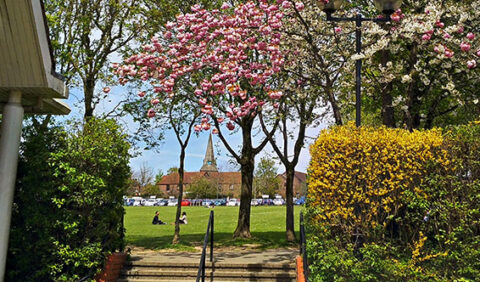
(392, 205)
(68, 207)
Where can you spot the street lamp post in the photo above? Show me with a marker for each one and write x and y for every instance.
(387, 7)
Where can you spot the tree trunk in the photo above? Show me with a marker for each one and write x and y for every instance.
(89, 87)
(247, 164)
(290, 224)
(243, 225)
(176, 235)
(335, 108)
(388, 114)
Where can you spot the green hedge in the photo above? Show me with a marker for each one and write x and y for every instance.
(68, 202)
(434, 235)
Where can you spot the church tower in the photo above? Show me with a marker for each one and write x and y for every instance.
(209, 163)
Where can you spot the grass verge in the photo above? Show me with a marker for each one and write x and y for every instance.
(267, 227)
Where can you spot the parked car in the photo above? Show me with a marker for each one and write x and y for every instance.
(256, 202)
(172, 202)
(267, 202)
(208, 203)
(186, 203)
(163, 202)
(128, 202)
(197, 202)
(300, 201)
(279, 202)
(150, 203)
(233, 203)
(220, 202)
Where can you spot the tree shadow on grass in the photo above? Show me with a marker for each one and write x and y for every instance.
(191, 242)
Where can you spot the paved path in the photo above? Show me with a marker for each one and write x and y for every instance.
(224, 255)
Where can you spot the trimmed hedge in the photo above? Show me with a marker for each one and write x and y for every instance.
(389, 204)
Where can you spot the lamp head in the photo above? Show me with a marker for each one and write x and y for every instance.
(331, 6)
(388, 7)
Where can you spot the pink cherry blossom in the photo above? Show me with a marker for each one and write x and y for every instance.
(299, 6)
(395, 17)
(230, 126)
(155, 101)
(106, 89)
(338, 29)
(439, 24)
(223, 43)
(461, 29)
(446, 36)
(214, 131)
(465, 46)
(478, 53)
(141, 94)
(471, 35)
(225, 6)
(449, 53)
(471, 64)
(426, 37)
(151, 113)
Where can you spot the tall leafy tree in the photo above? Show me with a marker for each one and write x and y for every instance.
(85, 35)
(266, 181)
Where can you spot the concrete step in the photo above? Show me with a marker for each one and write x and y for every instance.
(217, 273)
(141, 270)
(228, 267)
(217, 265)
(166, 279)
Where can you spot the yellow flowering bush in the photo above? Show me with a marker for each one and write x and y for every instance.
(392, 205)
(358, 176)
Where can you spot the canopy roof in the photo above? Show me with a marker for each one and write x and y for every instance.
(26, 61)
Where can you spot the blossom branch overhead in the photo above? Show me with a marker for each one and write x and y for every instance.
(236, 51)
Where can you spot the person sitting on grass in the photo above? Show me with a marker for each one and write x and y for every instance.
(183, 219)
(156, 220)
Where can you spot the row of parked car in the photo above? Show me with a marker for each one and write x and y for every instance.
(172, 202)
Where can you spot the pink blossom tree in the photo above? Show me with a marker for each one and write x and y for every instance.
(234, 56)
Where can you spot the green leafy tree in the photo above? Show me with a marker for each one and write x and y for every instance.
(152, 190)
(265, 181)
(159, 176)
(202, 188)
(171, 170)
(69, 205)
(84, 35)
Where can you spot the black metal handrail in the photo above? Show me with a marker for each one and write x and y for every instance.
(303, 244)
(201, 267)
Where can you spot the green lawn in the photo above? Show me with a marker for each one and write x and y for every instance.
(267, 227)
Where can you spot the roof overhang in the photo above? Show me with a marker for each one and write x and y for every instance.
(26, 61)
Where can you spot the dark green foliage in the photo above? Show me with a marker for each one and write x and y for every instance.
(203, 188)
(68, 204)
(435, 237)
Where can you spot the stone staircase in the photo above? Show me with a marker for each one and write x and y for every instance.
(224, 269)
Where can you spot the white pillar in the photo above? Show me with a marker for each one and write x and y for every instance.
(10, 133)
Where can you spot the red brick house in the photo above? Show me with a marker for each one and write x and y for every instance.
(228, 183)
(299, 184)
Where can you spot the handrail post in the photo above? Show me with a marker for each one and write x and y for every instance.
(211, 236)
(203, 268)
(303, 250)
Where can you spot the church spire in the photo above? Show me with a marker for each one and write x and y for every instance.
(209, 163)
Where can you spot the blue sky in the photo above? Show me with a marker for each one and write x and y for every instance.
(167, 153)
